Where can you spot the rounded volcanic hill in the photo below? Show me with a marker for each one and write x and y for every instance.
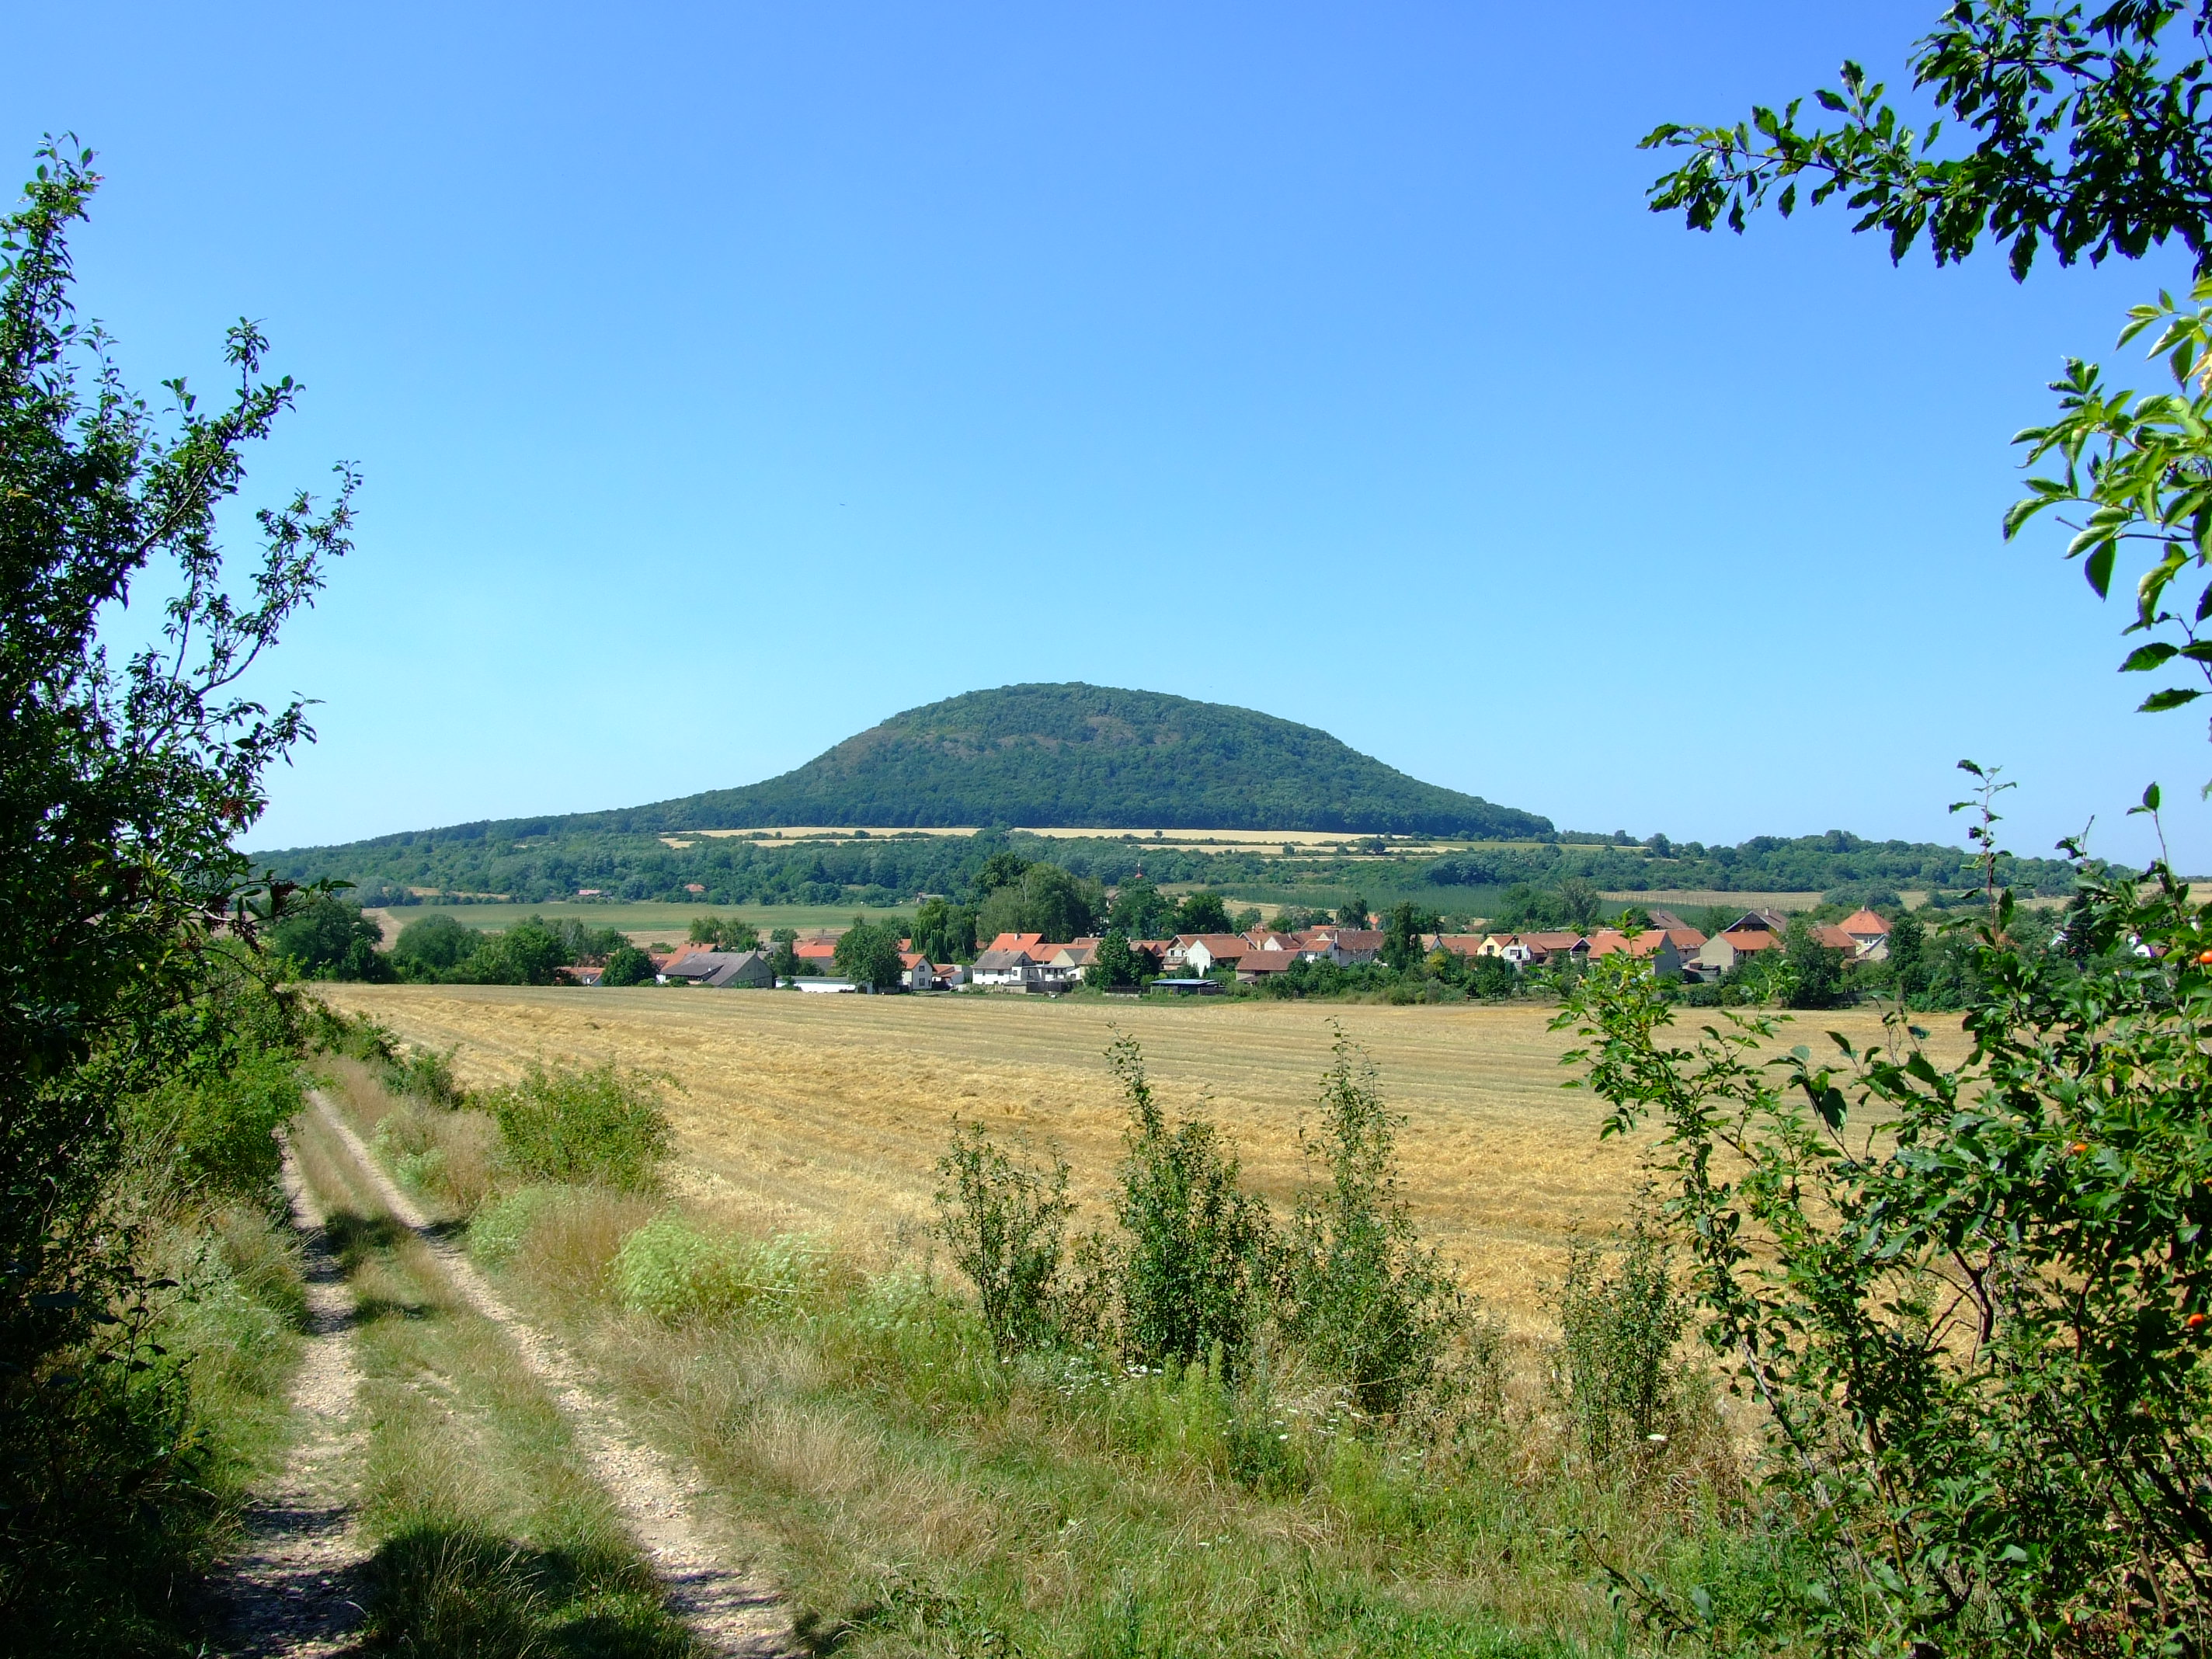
(1076, 756)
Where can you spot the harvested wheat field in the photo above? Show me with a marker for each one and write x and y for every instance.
(827, 1113)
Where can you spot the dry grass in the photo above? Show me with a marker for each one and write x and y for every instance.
(1675, 898)
(828, 1114)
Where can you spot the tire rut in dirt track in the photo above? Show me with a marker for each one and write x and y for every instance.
(294, 1588)
(726, 1612)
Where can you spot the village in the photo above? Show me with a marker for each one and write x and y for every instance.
(1199, 964)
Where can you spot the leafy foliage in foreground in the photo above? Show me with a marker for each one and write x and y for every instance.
(142, 1060)
(1971, 1301)
(2089, 138)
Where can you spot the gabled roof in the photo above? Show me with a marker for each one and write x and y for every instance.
(740, 964)
(1269, 962)
(1222, 947)
(705, 964)
(1016, 941)
(1459, 944)
(815, 949)
(1360, 939)
(1835, 938)
(1864, 922)
(1682, 938)
(1752, 938)
(1552, 941)
(1759, 921)
(1001, 961)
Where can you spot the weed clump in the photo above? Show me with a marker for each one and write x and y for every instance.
(1197, 1247)
(677, 1273)
(597, 1128)
(1006, 1227)
(1362, 1294)
(1616, 1372)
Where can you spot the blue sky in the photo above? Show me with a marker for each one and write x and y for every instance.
(727, 378)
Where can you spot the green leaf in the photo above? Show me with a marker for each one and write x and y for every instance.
(2147, 656)
(2099, 569)
(2159, 702)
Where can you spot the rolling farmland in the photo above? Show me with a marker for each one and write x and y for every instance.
(827, 1113)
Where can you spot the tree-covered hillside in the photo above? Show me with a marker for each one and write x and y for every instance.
(885, 870)
(1071, 756)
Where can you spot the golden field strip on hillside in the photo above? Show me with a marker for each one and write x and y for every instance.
(827, 1113)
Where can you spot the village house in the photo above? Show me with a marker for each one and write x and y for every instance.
(999, 969)
(1508, 946)
(1652, 945)
(1760, 921)
(1257, 965)
(1724, 950)
(1206, 951)
(718, 970)
(1352, 946)
(1571, 949)
(1062, 969)
(1869, 934)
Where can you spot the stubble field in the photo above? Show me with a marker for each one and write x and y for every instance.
(827, 1113)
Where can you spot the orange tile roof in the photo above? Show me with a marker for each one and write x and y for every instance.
(1864, 921)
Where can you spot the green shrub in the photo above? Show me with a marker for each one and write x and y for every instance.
(672, 1270)
(1197, 1246)
(1006, 1227)
(1373, 1305)
(215, 1127)
(601, 1126)
(426, 1075)
(1972, 1300)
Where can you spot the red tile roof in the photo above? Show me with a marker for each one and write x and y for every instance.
(1864, 921)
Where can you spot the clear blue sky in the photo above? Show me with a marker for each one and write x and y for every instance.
(726, 377)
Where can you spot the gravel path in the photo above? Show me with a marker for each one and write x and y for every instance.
(726, 1612)
(294, 1588)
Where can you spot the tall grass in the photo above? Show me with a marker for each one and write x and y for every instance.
(919, 1484)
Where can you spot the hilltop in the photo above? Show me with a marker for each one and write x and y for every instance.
(1054, 756)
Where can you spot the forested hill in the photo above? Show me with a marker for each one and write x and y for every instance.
(1054, 756)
